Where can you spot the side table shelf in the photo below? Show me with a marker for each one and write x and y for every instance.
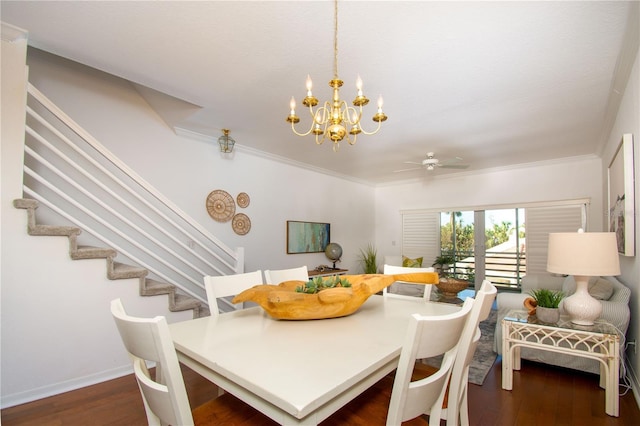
(600, 342)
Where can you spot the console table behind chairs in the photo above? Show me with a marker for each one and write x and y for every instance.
(328, 272)
(600, 342)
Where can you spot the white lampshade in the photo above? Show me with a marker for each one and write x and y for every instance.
(583, 253)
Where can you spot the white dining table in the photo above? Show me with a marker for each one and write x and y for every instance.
(300, 372)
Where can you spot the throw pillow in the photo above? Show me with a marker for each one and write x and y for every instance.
(599, 288)
(411, 263)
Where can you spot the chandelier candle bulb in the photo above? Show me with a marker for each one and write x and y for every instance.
(309, 86)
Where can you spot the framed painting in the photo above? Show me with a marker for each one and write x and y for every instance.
(307, 237)
(621, 196)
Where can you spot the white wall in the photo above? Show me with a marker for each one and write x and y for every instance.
(628, 121)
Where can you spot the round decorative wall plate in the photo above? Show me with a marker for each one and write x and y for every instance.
(241, 224)
(243, 199)
(220, 205)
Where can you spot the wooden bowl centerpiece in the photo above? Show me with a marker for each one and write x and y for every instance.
(450, 287)
(282, 301)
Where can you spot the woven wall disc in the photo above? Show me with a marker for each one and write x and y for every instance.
(220, 205)
(243, 199)
(241, 224)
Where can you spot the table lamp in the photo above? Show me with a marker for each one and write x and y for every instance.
(583, 254)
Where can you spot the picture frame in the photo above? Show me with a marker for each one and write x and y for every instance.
(307, 237)
(621, 202)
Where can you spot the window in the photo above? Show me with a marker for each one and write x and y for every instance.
(498, 244)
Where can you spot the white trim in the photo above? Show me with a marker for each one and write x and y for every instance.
(554, 203)
(477, 172)
(270, 156)
(7, 401)
(11, 33)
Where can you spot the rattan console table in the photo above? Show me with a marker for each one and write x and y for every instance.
(599, 341)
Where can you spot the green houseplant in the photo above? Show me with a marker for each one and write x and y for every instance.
(547, 304)
(368, 258)
(442, 263)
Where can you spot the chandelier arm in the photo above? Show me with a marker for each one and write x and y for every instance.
(352, 141)
(320, 140)
(357, 112)
(293, 128)
(372, 132)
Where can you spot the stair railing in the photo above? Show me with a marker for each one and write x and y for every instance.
(78, 179)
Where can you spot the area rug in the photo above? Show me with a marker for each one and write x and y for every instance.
(484, 356)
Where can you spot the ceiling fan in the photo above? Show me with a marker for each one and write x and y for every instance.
(432, 163)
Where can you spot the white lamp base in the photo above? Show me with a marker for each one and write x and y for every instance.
(581, 306)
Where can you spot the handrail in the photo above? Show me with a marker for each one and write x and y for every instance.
(61, 115)
(136, 220)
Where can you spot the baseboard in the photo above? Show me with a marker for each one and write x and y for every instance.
(632, 376)
(57, 388)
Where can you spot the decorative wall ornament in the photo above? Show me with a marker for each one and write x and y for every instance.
(220, 205)
(243, 199)
(621, 196)
(241, 224)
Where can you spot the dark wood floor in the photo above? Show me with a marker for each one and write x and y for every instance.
(542, 395)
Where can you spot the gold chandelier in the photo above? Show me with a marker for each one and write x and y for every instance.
(336, 119)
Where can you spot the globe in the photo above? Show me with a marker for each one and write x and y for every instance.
(333, 251)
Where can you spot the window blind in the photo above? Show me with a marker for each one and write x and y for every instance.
(540, 221)
(421, 236)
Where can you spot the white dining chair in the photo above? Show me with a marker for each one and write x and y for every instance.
(280, 275)
(457, 409)
(148, 340)
(427, 336)
(218, 287)
(405, 288)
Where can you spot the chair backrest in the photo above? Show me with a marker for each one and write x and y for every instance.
(148, 339)
(392, 270)
(228, 285)
(466, 348)
(427, 336)
(280, 275)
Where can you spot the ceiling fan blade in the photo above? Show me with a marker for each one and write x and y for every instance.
(454, 166)
(413, 162)
(406, 170)
(453, 160)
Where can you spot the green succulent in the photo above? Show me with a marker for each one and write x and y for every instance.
(318, 284)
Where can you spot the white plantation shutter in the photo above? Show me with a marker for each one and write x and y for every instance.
(540, 221)
(421, 236)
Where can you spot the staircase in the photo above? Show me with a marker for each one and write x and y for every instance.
(76, 182)
(115, 270)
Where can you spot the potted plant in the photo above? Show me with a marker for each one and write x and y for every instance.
(442, 263)
(547, 304)
(368, 258)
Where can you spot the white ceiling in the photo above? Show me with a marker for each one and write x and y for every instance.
(496, 83)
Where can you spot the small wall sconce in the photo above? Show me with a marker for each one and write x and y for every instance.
(226, 142)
